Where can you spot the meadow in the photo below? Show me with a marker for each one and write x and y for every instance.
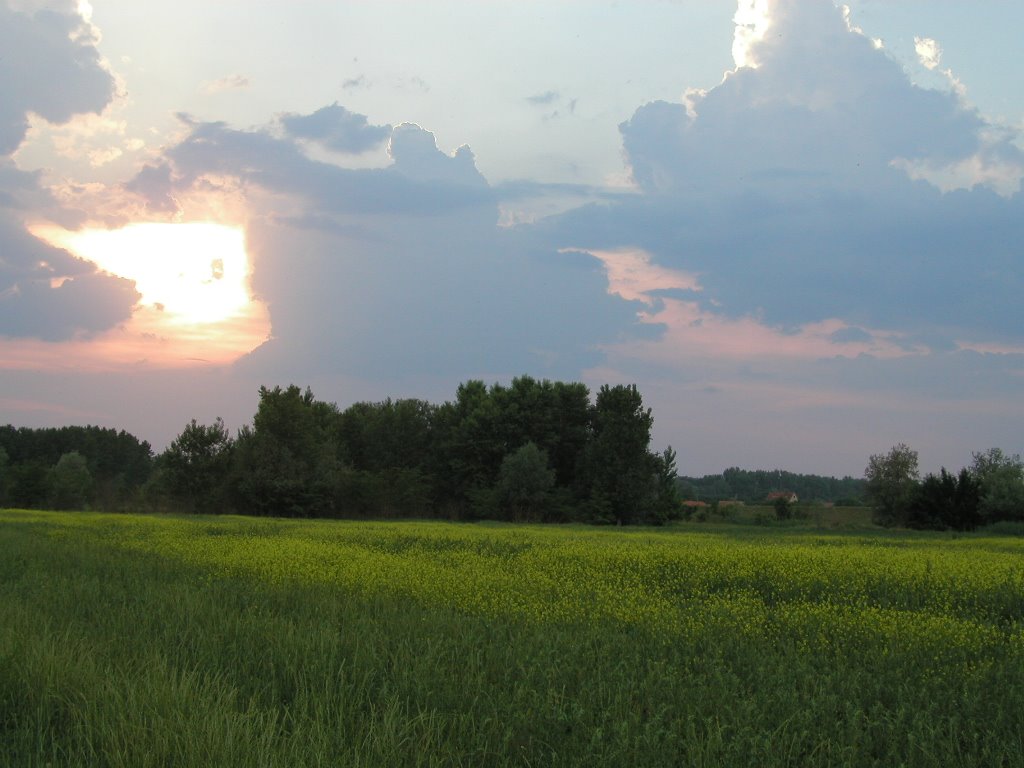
(132, 640)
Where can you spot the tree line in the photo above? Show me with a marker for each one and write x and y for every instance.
(990, 491)
(531, 451)
(72, 467)
(753, 486)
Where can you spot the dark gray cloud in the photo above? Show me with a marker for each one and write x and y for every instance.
(50, 66)
(155, 185)
(46, 293)
(784, 188)
(336, 128)
(78, 307)
(421, 181)
(398, 271)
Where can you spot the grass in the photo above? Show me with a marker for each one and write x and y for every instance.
(154, 641)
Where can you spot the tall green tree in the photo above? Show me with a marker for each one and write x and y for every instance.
(197, 466)
(391, 434)
(287, 463)
(621, 471)
(71, 482)
(891, 481)
(666, 506)
(470, 444)
(945, 501)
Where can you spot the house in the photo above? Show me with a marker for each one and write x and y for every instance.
(788, 496)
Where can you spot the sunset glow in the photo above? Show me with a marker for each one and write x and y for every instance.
(195, 304)
(193, 273)
(733, 205)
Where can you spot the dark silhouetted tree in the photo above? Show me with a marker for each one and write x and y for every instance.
(620, 471)
(287, 464)
(944, 501)
(196, 467)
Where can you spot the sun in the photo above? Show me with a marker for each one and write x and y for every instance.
(195, 306)
(752, 19)
(192, 273)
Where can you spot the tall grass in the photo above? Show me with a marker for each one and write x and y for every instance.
(141, 641)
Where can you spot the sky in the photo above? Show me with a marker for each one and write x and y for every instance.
(796, 226)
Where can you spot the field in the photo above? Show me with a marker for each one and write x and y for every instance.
(153, 641)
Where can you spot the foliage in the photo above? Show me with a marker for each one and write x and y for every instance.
(1002, 485)
(753, 486)
(620, 471)
(118, 462)
(525, 483)
(287, 463)
(945, 501)
(5, 476)
(391, 434)
(666, 504)
(196, 466)
(891, 481)
(71, 484)
(783, 508)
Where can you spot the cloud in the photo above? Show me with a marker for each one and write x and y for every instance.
(422, 180)
(46, 293)
(544, 99)
(799, 191)
(74, 308)
(632, 276)
(51, 67)
(928, 52)
(234, 82)
(392, 272)
(822, 243)
(336, 128)
(155, 185)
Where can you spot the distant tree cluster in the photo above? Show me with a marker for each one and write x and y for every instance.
(990, 491)
(755, 486)
(530, 451)
(72, 467)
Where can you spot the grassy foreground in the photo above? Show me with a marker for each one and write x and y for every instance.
(156, 641)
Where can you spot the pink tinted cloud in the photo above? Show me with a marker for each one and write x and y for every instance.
(693, 331)
(632, 275)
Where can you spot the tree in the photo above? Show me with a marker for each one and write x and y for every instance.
(783, 510)
(196, 466)
(891, 479)
(525, 482)
(666, 505)
(118, 462)
(621, 472)
(945, 501)
(4, 476)
(71, 483)
(1001, 478)
(287, 463)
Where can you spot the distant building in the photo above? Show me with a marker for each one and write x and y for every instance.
(788, 496)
